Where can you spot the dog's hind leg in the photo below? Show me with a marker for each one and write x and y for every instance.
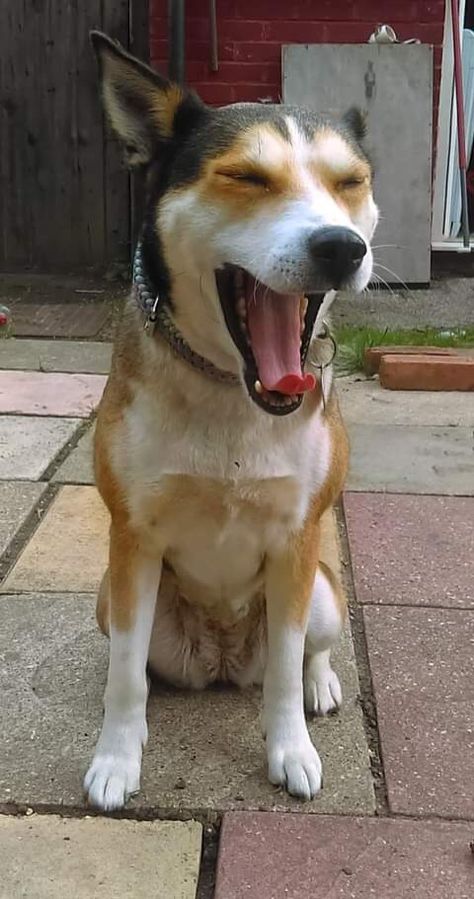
(322, 690)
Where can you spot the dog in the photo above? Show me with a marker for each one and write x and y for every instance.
(219, 448)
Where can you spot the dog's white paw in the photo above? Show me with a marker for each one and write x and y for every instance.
(112, 779)
(322, 690)
(114, 774)
(295, 765)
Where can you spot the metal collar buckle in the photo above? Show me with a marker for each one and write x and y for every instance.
(150, 321)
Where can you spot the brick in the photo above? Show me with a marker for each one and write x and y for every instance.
(238, 30)
(235, 72)
(427, 33)
(347, 32)
(421, 666)
(256, 51)
(289, 857)
(215, 94)
(382, 10)
(397, 562)
(373, 355)
(430, 11)
(294, 32)
(426, 373)
(253, 93)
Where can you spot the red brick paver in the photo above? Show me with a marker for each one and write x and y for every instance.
(426, 373)
(373, 354)
(265, 856)
(411, 550)
(423, 678)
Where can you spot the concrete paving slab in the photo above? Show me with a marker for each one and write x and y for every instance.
(411, 550)
(82, 356)
(421, 664)
(48, 857)
(28, 444)
(273, 856)
(49, 393)
(205, 753)
(78, 467)
(396, 459)
(17, 500)
(366, 402)
(68, 551)
(59, 318)
(446, 304)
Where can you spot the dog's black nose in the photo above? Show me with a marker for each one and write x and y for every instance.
(338, 252)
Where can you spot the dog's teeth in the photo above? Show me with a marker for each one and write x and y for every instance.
(241, 308)
(258, 387)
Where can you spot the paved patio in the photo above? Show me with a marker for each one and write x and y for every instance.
(396, 816)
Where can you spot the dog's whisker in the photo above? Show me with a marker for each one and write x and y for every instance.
(391, 272)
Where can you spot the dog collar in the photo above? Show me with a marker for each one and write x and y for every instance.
(157, 318)
(154, 309)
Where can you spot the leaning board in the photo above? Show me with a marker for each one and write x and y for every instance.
(393, 84)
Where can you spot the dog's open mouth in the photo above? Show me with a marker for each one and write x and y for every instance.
(272, 332)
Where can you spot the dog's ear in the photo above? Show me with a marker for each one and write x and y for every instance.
(144, 108)
(355, 120)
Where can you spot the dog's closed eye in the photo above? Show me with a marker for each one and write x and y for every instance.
(256, 179)
(349, 183)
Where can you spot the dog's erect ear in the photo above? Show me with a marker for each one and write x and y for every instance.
(144, 108)
(355, 120)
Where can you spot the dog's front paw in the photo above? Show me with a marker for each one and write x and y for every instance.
(114, 775)
(295, 765)
(112, 779)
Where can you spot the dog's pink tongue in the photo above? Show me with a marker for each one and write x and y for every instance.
(273, 321)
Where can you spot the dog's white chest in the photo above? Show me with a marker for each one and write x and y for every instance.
(215, 498)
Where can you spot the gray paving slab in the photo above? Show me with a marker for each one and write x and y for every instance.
(410, 459)
(285, 857)
(17, 499)
(447, 303)
(364, 401)
(78, 467)
(421, 665)
(205, 752)
(411, 550)
(28, 444)
(81, 356)
(48, 857)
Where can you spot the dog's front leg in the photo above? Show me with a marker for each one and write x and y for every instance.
(134, 580)
(292, 759)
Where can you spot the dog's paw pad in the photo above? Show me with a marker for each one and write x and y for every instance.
(111, 780)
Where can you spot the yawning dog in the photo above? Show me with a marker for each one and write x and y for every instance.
(219, 445)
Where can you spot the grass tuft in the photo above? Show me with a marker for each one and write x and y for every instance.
(353, 342)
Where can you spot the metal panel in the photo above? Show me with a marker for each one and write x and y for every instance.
(393, 83)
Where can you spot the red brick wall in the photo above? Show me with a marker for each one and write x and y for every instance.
(251, 33)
